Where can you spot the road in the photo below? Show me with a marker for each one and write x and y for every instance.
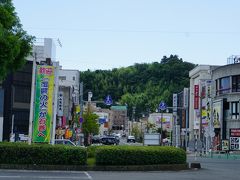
(212, 169)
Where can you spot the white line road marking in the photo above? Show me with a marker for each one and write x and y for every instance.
(10, 176)
(88, 175)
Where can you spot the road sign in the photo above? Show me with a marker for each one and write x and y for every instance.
(162, 106)
(80, 119)
(108, 100)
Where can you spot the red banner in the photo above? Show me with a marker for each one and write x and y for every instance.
(196, 96)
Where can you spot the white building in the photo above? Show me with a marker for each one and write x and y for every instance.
(69, 88)
(200, 77)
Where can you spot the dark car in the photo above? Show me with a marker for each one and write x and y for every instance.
(110, 140)
(64, 142)
(96, 139)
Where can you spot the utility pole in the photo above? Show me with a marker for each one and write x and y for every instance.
(161, 128)
(81, 98)
(133, 119)
(56, 85)
(185, 104)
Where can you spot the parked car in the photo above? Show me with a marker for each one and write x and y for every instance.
(64, 142)
(96, 139)
(131, 139)
(110, 140)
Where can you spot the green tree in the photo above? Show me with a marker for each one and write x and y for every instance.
(89, 125)
(142, 86)
(15, 44)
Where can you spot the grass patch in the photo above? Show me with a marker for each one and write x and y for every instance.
(91, 161)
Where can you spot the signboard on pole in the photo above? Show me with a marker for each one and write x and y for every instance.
(185, 97)
(43, 104)
(175, 102)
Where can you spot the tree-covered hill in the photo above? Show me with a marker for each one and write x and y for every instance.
(140, 85)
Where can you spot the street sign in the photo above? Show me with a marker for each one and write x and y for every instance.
(108, 100)
(81, 120)
(162, 106)
(174, 102)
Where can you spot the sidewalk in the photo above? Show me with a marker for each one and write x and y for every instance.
(216, 155)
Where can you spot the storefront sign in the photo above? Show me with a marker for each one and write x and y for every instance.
(235, 132)
(234, 138)
(196, 96)
(60, 103)
(234, 143)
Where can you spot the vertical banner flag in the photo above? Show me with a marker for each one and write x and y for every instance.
(43, 104)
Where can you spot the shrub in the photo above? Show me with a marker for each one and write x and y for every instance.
(22, 153)
(132, 155)
(91, 151)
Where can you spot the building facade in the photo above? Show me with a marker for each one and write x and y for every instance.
(16, 92)
(118, 118)
(199, 76)
(226, 105)
(214, 106)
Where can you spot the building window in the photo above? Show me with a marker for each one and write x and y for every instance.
(236, 83)
(235, 110)
(21, 94)
(224, 85)
(62, 78)
(74, 78)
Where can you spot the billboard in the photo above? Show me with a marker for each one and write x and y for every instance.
(164, 119)
(217, 114)
(196, 96)
(60, 103)
(234, 138)
(43, 104)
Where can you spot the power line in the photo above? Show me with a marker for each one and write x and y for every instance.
(137, 31)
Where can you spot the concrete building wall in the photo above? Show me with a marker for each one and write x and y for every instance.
(70, 78)
(229, 121)
(17, 90)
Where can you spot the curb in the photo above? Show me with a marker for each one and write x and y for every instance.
(162, 167)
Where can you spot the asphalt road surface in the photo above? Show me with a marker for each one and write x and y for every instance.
(212, 169)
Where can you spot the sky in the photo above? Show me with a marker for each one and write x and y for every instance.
(106, 34)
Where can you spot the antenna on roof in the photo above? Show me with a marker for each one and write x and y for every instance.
(59, 42)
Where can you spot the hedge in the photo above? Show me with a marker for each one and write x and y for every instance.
(22, 153)
(139, 155)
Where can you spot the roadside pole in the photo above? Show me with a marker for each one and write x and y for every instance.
(185, 105)
(56, 73)
(32, 100)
